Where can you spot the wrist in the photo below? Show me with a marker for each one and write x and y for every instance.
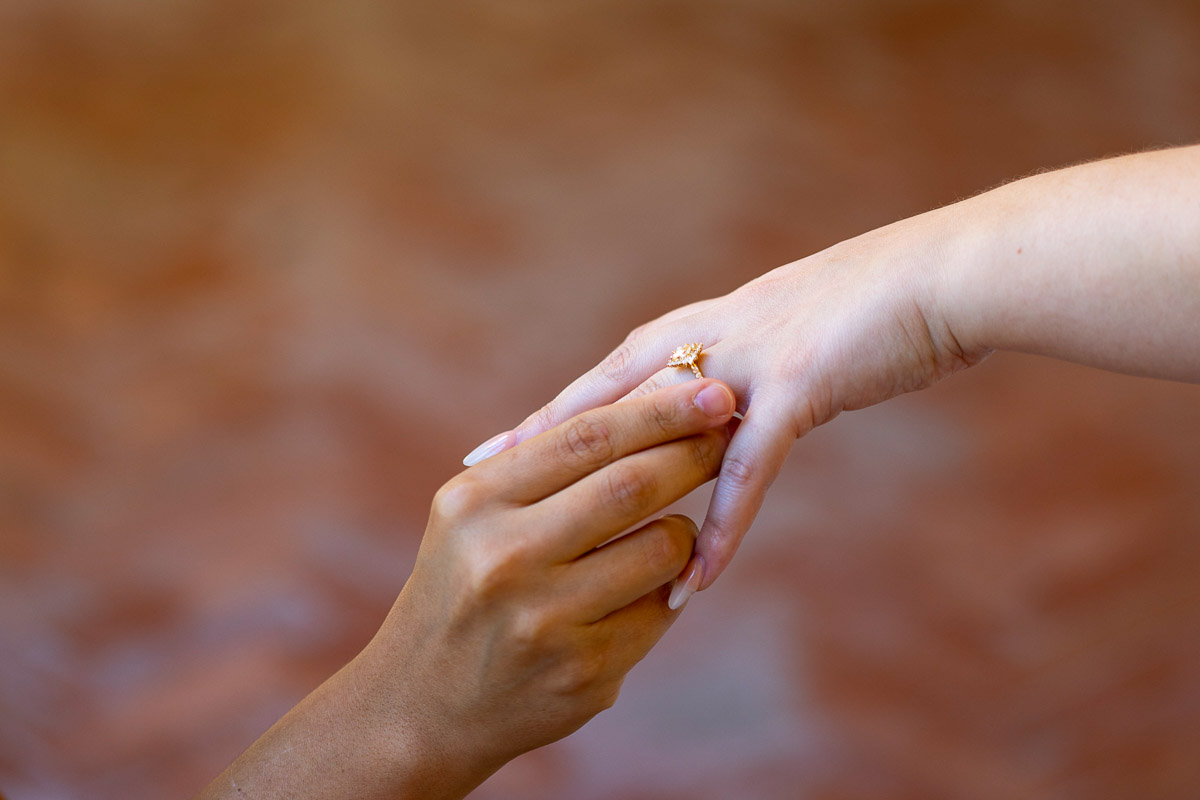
(399, 725)
(339, 736)
(963, 290)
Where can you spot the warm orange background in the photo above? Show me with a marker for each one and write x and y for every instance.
(269, 269)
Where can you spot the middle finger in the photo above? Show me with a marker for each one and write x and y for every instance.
(583, 445)
(593, 510)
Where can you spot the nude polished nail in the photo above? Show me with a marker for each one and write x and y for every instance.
(682, 591)
(497, 444)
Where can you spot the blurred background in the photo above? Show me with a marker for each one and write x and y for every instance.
(268, 270)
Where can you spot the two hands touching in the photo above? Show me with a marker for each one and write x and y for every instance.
(524, 612)
(526, 607)
(1098, 264)
(841, 330)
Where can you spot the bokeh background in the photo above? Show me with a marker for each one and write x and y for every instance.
(269, 269)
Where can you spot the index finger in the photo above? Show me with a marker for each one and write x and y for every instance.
(553, 460)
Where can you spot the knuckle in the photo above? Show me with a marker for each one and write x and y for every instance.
(649, 386)
(458, 498)
(580, 674)
(531, 631)
(739, 472)
(587, 438)
(629, 489)
(640, 333)
(607, 697)
(493, 570)
(794, 371)
(666, 415)
(667, 548)
(617, 367)
(707, 450)
(544, 419)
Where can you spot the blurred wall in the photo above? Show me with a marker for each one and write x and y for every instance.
(268, 270)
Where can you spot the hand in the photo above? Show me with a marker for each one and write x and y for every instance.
(525, 629)
(839, 330)
(1095, 264)
(523, 612)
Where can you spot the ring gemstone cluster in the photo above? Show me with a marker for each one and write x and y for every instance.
(685, 356)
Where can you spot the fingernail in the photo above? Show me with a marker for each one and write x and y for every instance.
(681, 592)
(715, 400)
(491, 447)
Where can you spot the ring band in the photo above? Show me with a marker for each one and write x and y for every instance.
(685, 356)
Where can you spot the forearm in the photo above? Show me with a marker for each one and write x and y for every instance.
(340, 741)
(1098, 264)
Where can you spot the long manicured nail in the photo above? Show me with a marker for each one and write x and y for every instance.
(682, 591)
(715, 400)
(491, 447)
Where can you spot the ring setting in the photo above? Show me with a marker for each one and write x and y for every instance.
(685, 356)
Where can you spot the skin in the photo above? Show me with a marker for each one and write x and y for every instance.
(522, 615)
(1097, 264)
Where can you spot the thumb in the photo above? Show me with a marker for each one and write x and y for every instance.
(753, 460)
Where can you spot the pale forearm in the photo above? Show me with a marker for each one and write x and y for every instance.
(1098, 264)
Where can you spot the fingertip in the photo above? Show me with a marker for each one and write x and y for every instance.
(685, 522)
(680, 543)
(710, 549)
(497, 444)
(716, 400)
(687, 583)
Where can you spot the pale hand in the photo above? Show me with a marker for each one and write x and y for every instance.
(1095, 264)
(842, 329)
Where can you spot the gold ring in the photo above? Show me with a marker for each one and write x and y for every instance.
(685, 356)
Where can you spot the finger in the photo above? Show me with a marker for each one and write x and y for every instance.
(671, 376)
(554, 460)
(629, 633)
(623, 369)
(604, 580)
(602, 505)
(683, 311)
(493, 446)
(752, 461)
(718, 362)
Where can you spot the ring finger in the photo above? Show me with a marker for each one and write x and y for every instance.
(718, 363)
